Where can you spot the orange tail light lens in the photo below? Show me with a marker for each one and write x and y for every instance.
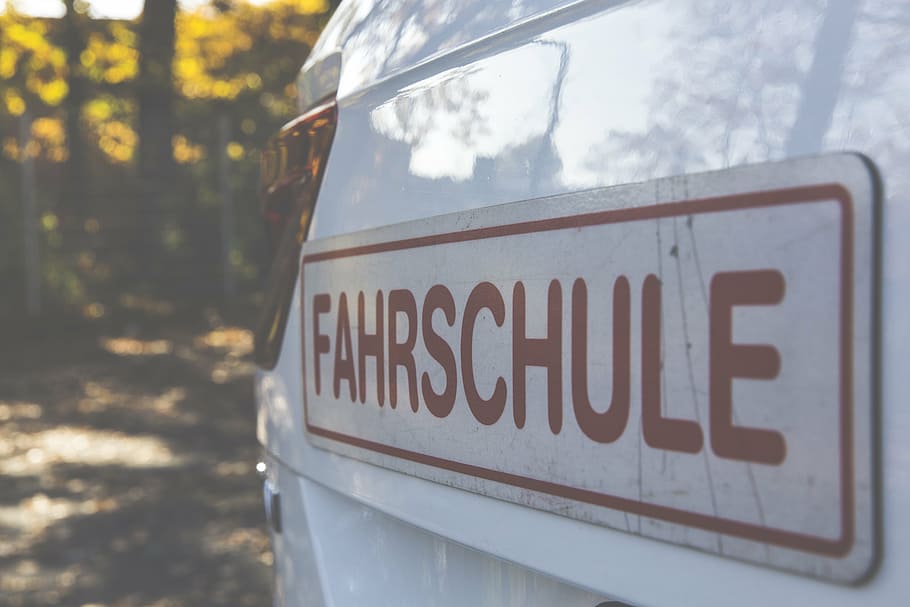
(291, 168)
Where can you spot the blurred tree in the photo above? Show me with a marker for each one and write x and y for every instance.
(76, 188)
(135, 105)
(155, 95)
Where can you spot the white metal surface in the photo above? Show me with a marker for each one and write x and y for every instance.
(361, 556)
(603, 93)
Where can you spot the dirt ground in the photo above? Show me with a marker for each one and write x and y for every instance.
(127, 473)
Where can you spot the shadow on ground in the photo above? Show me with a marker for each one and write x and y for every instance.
(127, 473)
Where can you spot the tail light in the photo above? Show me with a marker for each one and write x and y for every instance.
(291, 169)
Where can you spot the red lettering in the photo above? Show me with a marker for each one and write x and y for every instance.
(729, 360)
(484, 295)
(606, 424)
(371, 345)
(401, 354)
(609, 425)
(344, 365)
(660, 432)
(545, 352)
(439, 298)
(322, 304)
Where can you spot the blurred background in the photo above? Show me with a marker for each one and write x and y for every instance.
(132, 259)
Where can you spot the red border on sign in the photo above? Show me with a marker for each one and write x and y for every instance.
(789, 539)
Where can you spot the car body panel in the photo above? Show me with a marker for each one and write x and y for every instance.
(561, 98)
(365, 556)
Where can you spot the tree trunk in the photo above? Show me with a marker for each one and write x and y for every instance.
(155, 90)
(30, 233)
(75, 195)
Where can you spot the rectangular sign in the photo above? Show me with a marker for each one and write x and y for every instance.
(688, 359)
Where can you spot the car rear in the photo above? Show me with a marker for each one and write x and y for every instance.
(417, 120)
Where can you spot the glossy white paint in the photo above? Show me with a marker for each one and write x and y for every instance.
(490, 102)
(363, 556)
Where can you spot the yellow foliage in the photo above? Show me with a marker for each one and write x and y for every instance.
(118, 141)
(11, 148)
(215, 59)
(112, 60)
(108, 119)
(98, 110)
(58, 155)
(208, 42)
(87, 58)
(186, 152)
(54, 92)
(48, 141)
(124, 34)
(234, 151)
(49, 131)
(189, 68)
(8, 59)
(28, 36)
(56, 57)
(14, 102)
(49, 222)
(32, 149)
(313, 6)
(253, 82)
(204, 44)
(27, 52)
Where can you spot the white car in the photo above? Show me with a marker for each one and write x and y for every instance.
(592, 301)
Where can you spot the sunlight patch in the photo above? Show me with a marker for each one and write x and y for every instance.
(70, 445)
(127, 346)
(239, 341)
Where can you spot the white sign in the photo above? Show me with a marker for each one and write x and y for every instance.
(688, 359)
